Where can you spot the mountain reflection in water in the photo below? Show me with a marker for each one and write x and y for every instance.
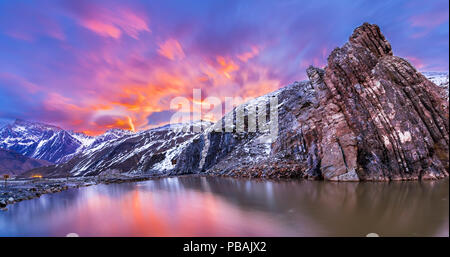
(213, 206)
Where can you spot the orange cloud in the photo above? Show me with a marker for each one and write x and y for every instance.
(227, 66)
(122, 122)
(244, 57)
(171, 49)
(124, 94)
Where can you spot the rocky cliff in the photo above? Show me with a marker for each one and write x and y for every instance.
(368, 116)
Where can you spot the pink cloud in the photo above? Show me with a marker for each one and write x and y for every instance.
(416, 62)
(244, 57)
(429, 19)
(102, 28)
(113, 22)
(20, 81)
(171, 49)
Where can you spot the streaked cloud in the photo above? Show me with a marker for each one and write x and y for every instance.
(171, 49)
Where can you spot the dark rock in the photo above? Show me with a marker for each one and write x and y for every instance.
(396, 121)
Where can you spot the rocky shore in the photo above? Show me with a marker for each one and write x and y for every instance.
(26, 189)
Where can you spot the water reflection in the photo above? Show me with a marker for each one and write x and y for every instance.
(206, 206)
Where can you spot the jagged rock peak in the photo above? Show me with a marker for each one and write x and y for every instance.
(370, 37)
(397, 120)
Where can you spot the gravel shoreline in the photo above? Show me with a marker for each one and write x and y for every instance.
(17, 190)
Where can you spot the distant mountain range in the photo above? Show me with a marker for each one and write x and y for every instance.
(35, 144)
(49, 143)
(153, 151)
(25, 145)
(13, 163)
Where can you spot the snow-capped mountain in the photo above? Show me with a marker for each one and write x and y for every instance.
(172, 150)
(438, 78)
(152, 151)
(110, 135)
(84, 139)
(37, 140)
(90, 142)
(50, 143)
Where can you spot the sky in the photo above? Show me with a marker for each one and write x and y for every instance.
(92, 65)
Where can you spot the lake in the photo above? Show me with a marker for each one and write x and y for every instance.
(214, 206)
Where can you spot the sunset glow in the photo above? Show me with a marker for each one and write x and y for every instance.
(95, 65)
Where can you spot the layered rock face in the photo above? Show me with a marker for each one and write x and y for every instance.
(368, 116)
(396, 121)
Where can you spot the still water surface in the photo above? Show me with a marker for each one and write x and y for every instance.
(209, 206)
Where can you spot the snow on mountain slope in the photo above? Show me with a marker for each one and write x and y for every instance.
(50, 143)
(222, 148)
(37, 140)
(110, 135)
(438, 78)
(84, 139)
(152, 151)
(90, 142)
(4, 122)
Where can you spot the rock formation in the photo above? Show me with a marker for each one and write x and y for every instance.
(396, 121)
(368, 115)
